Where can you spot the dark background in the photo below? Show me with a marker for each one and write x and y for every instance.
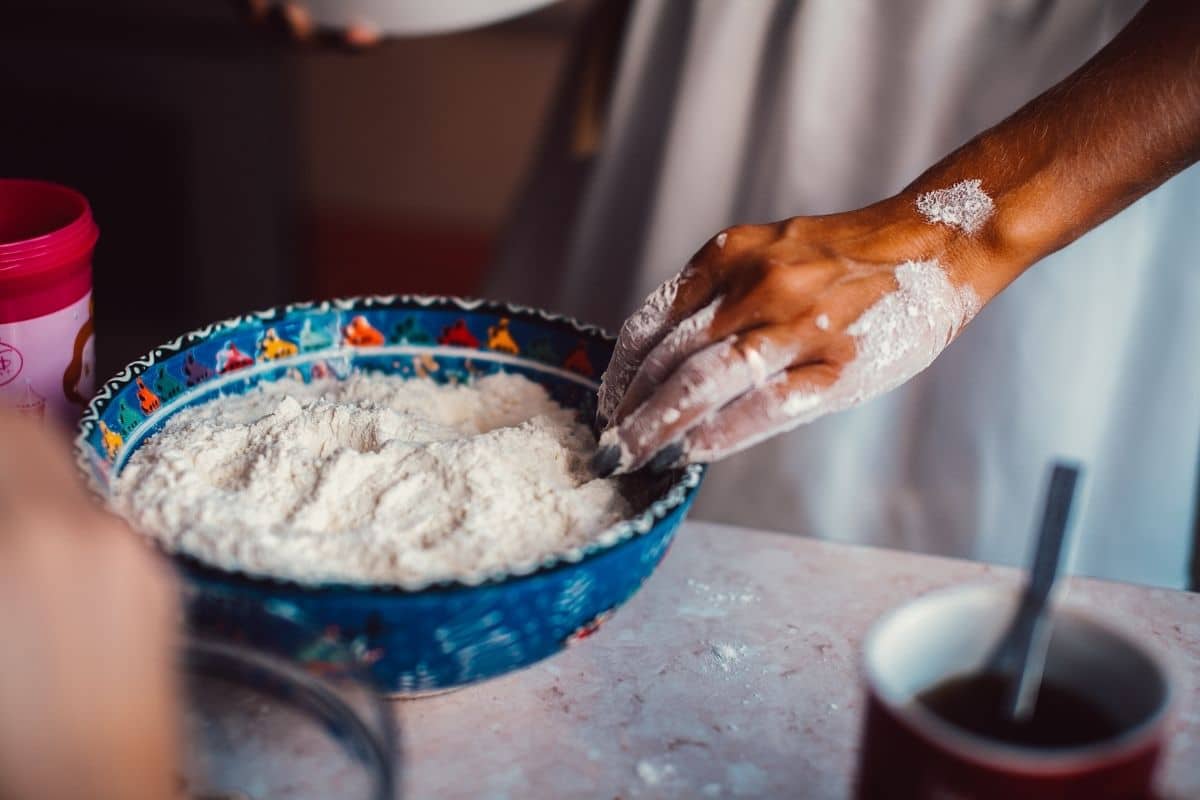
(231, 169)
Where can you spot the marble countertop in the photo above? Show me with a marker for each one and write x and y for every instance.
(733, 673)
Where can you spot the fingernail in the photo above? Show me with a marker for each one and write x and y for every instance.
(607, 459)
(666, 458)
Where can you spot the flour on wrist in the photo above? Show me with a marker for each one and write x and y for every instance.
(965, 206)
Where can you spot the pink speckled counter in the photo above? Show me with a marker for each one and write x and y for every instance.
(733, 673)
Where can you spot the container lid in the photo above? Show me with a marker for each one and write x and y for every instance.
(46, 237)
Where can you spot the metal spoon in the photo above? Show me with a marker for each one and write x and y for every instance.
(1021, 653)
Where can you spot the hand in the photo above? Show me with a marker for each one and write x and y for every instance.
(771, 326)
(296, 22)
(87, 697)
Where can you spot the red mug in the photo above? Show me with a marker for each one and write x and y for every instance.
(908, 751)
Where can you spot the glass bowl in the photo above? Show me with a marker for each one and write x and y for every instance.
(257, 726)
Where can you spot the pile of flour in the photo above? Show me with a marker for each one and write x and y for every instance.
(375, 479)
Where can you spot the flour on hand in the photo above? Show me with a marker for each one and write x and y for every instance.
(640, 333)
(374, 480)
(896, 338)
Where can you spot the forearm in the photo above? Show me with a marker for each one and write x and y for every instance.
(772, 326)
(1112, 131)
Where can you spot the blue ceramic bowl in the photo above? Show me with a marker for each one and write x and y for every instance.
(414, 639)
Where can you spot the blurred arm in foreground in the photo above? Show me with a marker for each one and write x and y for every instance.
(88, 701)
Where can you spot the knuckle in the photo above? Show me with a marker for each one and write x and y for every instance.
(840, 352)
(796, 227)
(827, 374)
(746, 349)
(697, 379)
(798, 329)
(738, 236)
(704, 270)
(777, 276)
(819, 317)
(736, 233)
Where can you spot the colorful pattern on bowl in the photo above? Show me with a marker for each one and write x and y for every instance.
(415, 638)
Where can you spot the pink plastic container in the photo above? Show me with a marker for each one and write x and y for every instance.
(47, 356)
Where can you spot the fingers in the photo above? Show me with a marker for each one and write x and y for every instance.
(665, 307)
(298, 20)
(362, 35)
(697, 286)
(702, 385)
(294, 20)
(684, 340)
(772, 293)
(789, 399)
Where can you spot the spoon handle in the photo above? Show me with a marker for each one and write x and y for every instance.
(1054, 527)
(1032, 633)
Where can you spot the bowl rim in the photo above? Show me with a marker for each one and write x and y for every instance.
(680, 491)
(202, 657)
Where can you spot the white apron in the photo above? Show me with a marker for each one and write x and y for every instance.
(727, 111)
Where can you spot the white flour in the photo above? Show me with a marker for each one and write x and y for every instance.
(372, 480)
(896, 338)
(638, 335)
(727, 655)
(718, 597)
(965, 206)
(653, 774)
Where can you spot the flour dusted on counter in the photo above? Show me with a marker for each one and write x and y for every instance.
(374, 480)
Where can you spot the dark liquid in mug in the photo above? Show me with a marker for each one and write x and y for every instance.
(1062, 717)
